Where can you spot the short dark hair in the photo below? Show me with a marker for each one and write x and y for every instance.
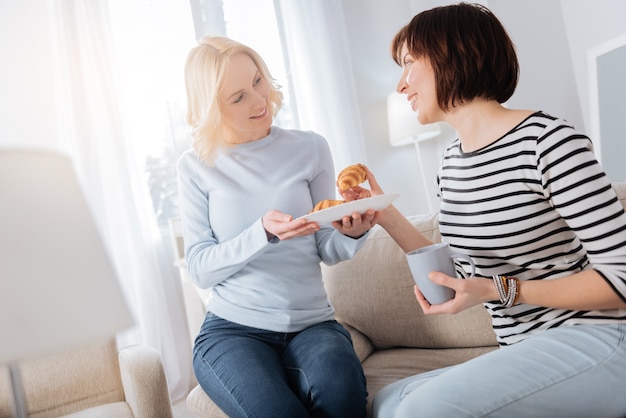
(470, 52)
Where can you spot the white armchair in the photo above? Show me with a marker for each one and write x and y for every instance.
(92, 382)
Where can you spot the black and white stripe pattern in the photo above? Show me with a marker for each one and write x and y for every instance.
(534, 204)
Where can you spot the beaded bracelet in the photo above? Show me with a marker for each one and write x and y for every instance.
(508, 289)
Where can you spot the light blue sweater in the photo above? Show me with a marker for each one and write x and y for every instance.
(275, 286)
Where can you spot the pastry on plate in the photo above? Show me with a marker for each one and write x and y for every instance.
(351, 176)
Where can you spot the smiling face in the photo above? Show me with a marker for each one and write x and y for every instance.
(244, 100)
(418, 83)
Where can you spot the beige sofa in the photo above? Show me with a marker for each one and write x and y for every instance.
(373, 297)
(94, 381)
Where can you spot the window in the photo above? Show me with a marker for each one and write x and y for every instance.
(151, 40)
(254, 23)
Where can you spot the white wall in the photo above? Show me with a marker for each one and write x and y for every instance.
(589, 24)
(552, 38)
(547, 79)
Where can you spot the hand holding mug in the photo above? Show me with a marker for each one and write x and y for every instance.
(436, 257)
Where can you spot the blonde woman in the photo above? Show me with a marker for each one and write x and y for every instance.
(269, 345)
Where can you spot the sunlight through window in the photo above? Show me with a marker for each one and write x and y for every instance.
(151, 41)
(253, 22)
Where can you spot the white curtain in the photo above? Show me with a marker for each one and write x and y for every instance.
(318, 55)
(93, 131)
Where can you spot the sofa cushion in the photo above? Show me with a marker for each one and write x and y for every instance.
(199, 403)
(373, 293)
(388, 366)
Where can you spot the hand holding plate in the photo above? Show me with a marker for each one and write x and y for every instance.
(283, 226)
(355, 225)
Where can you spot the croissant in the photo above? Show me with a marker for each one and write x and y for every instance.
(325, 204)
(351, 176)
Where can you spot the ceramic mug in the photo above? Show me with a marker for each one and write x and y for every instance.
(436, 257)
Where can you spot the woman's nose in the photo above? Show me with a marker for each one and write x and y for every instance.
(401, 86)
(261, 97)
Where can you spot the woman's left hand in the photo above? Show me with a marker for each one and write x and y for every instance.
(468, 292)
(356, 225)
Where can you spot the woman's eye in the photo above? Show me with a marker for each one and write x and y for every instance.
(257, 81)
(238, 99)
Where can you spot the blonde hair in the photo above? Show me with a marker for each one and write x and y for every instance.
(204, 73)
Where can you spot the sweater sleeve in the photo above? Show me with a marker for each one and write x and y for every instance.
(208, 261)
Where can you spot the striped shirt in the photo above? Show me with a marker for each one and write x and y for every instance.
(534, 204)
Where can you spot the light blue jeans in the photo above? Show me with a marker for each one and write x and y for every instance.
(250, 372)
(570, 371)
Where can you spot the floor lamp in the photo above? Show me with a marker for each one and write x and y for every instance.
(404, 129)
(58, 289)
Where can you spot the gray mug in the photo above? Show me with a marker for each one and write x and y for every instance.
(436, 257)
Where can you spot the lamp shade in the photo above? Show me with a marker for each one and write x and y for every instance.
(404, 129)
(58, 288)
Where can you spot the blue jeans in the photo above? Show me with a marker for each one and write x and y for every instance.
(570, 371)
(251, 372)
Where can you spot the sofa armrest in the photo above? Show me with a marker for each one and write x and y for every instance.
(144, 382)
(362, 345)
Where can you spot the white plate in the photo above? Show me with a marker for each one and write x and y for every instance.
(334, 213)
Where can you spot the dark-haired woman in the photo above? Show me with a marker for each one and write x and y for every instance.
(522, 193)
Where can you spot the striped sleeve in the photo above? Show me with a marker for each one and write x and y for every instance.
(582, 195)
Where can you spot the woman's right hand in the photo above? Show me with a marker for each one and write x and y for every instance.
(283, 226)
(376, 189)
(358, 192)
